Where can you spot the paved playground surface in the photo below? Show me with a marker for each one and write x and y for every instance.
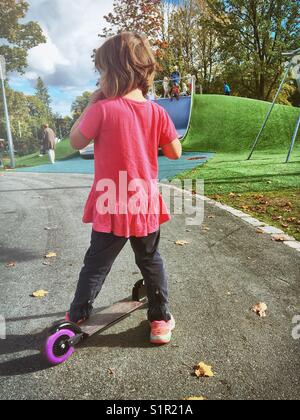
(214, 280)
(167, 168)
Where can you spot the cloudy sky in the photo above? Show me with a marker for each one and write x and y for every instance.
(64, 62)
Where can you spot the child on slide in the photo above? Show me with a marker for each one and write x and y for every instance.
(175, 93)
(125, 203)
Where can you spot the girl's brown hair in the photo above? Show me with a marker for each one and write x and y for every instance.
(126, 62)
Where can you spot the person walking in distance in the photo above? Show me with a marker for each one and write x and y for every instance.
(49, 142)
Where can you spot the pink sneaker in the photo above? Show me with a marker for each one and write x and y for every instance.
(161, 331)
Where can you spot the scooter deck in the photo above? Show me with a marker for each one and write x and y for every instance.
(110, 316)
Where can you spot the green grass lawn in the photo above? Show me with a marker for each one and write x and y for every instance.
(231, 124)
(232, 172)
(228, 126)
(63, 151)
(278, 208)
(264, 187)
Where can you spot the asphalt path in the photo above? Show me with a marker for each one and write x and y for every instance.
(214, 280)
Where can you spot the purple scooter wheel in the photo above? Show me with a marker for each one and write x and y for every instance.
(57, 349)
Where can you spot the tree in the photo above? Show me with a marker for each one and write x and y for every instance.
(79, 105)
(18, 37)
(63, 126)
(192, 41)
(142, 16)
(42, 94)
(24, 125)
(27, 115)
(253, 34)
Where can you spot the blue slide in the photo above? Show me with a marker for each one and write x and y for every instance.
(180, 112)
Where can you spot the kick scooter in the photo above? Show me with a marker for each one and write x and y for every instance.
(64, 336)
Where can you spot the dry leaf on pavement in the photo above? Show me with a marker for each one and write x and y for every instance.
(181, 243)
(260, 231)
(10, 264)
(260, 309)
(51, 255)
(203, 371)
(40, 294)
(281, 238)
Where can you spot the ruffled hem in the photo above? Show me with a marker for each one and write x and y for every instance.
(125, 225)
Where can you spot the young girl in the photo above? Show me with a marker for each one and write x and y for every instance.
(124, 203)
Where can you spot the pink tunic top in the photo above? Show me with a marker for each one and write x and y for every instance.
(125, 198)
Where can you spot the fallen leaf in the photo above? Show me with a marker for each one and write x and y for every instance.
(51, 255)
(285, 225)
(260, 309)
(10, 264)
(40, 294)
(110, 371)
(281, 238)
(181, 243)
(211, 217)
(260, 231)
(203, 371)
(195, 399)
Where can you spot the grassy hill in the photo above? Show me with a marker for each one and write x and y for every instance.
(231, 124)
(265, 187)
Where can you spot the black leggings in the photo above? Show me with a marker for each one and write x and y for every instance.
(104, 249)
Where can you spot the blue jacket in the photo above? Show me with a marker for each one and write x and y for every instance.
(227, 89)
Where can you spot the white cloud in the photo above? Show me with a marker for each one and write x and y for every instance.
(71, 28)
(46, 57)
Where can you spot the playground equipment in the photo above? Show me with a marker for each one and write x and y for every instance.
(8, 129)
(179, 111)
(294, 66)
